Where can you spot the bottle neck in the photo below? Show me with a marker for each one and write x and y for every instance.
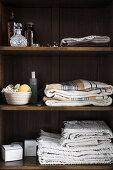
(33, 75)
(18, 31)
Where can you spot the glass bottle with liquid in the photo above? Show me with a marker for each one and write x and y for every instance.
(29, 33)
(11, 27)
(33, 85)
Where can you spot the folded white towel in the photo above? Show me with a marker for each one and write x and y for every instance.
(71, 162)
(82, 142)
(91, 142)
(47, 156)
(76, 129)
(77, 94)
(51, 152)
(104, 102)
(53, 142)
(101, 151)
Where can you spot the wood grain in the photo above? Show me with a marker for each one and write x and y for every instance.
(37, 50)
(47, 108)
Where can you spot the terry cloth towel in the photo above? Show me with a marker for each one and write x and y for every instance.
(81, 85)
(51, 152)
(61, 96)
(104, 102)
(93, 39)
(91, 141)
(77, 129)
(53, 143)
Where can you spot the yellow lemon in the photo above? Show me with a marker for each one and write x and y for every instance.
(24, 88)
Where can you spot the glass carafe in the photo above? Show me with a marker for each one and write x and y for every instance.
(18, 40)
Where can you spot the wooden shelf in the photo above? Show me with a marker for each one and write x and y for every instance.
(32, 163)
(35, 50)
(47, 108)
(56, 3)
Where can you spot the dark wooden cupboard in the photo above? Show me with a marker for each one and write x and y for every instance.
(54, 20)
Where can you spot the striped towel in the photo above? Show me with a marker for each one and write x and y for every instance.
(92, 40)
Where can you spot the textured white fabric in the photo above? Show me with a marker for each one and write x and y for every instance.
(104, 102)
(82, 142)
(51, 152)
(75, 129)
(67, 162)
(77, 94)
(91, 142)
(54, 143)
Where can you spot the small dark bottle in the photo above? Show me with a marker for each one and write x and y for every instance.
(29, 33)
(11, 27)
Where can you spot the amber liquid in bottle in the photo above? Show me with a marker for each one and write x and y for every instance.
(11, 27)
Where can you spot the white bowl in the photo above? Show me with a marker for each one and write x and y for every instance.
(18, 98)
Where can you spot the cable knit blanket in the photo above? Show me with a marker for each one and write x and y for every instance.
(86, 41)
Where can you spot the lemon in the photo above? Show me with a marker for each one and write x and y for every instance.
(24, 88)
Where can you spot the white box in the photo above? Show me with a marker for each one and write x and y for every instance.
(12, 152)
(30, 147)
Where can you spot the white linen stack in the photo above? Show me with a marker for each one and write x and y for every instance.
(78, 93)
(81, 142)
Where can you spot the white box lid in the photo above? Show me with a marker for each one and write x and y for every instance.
(12, 147)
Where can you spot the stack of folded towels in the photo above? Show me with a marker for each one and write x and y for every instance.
(78, 93)
(89, 41)
(81, 142)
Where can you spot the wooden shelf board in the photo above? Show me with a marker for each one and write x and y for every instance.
(35, 50)
(47, 108)
(32, 163)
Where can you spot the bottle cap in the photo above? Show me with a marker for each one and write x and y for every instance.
(33, 74)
